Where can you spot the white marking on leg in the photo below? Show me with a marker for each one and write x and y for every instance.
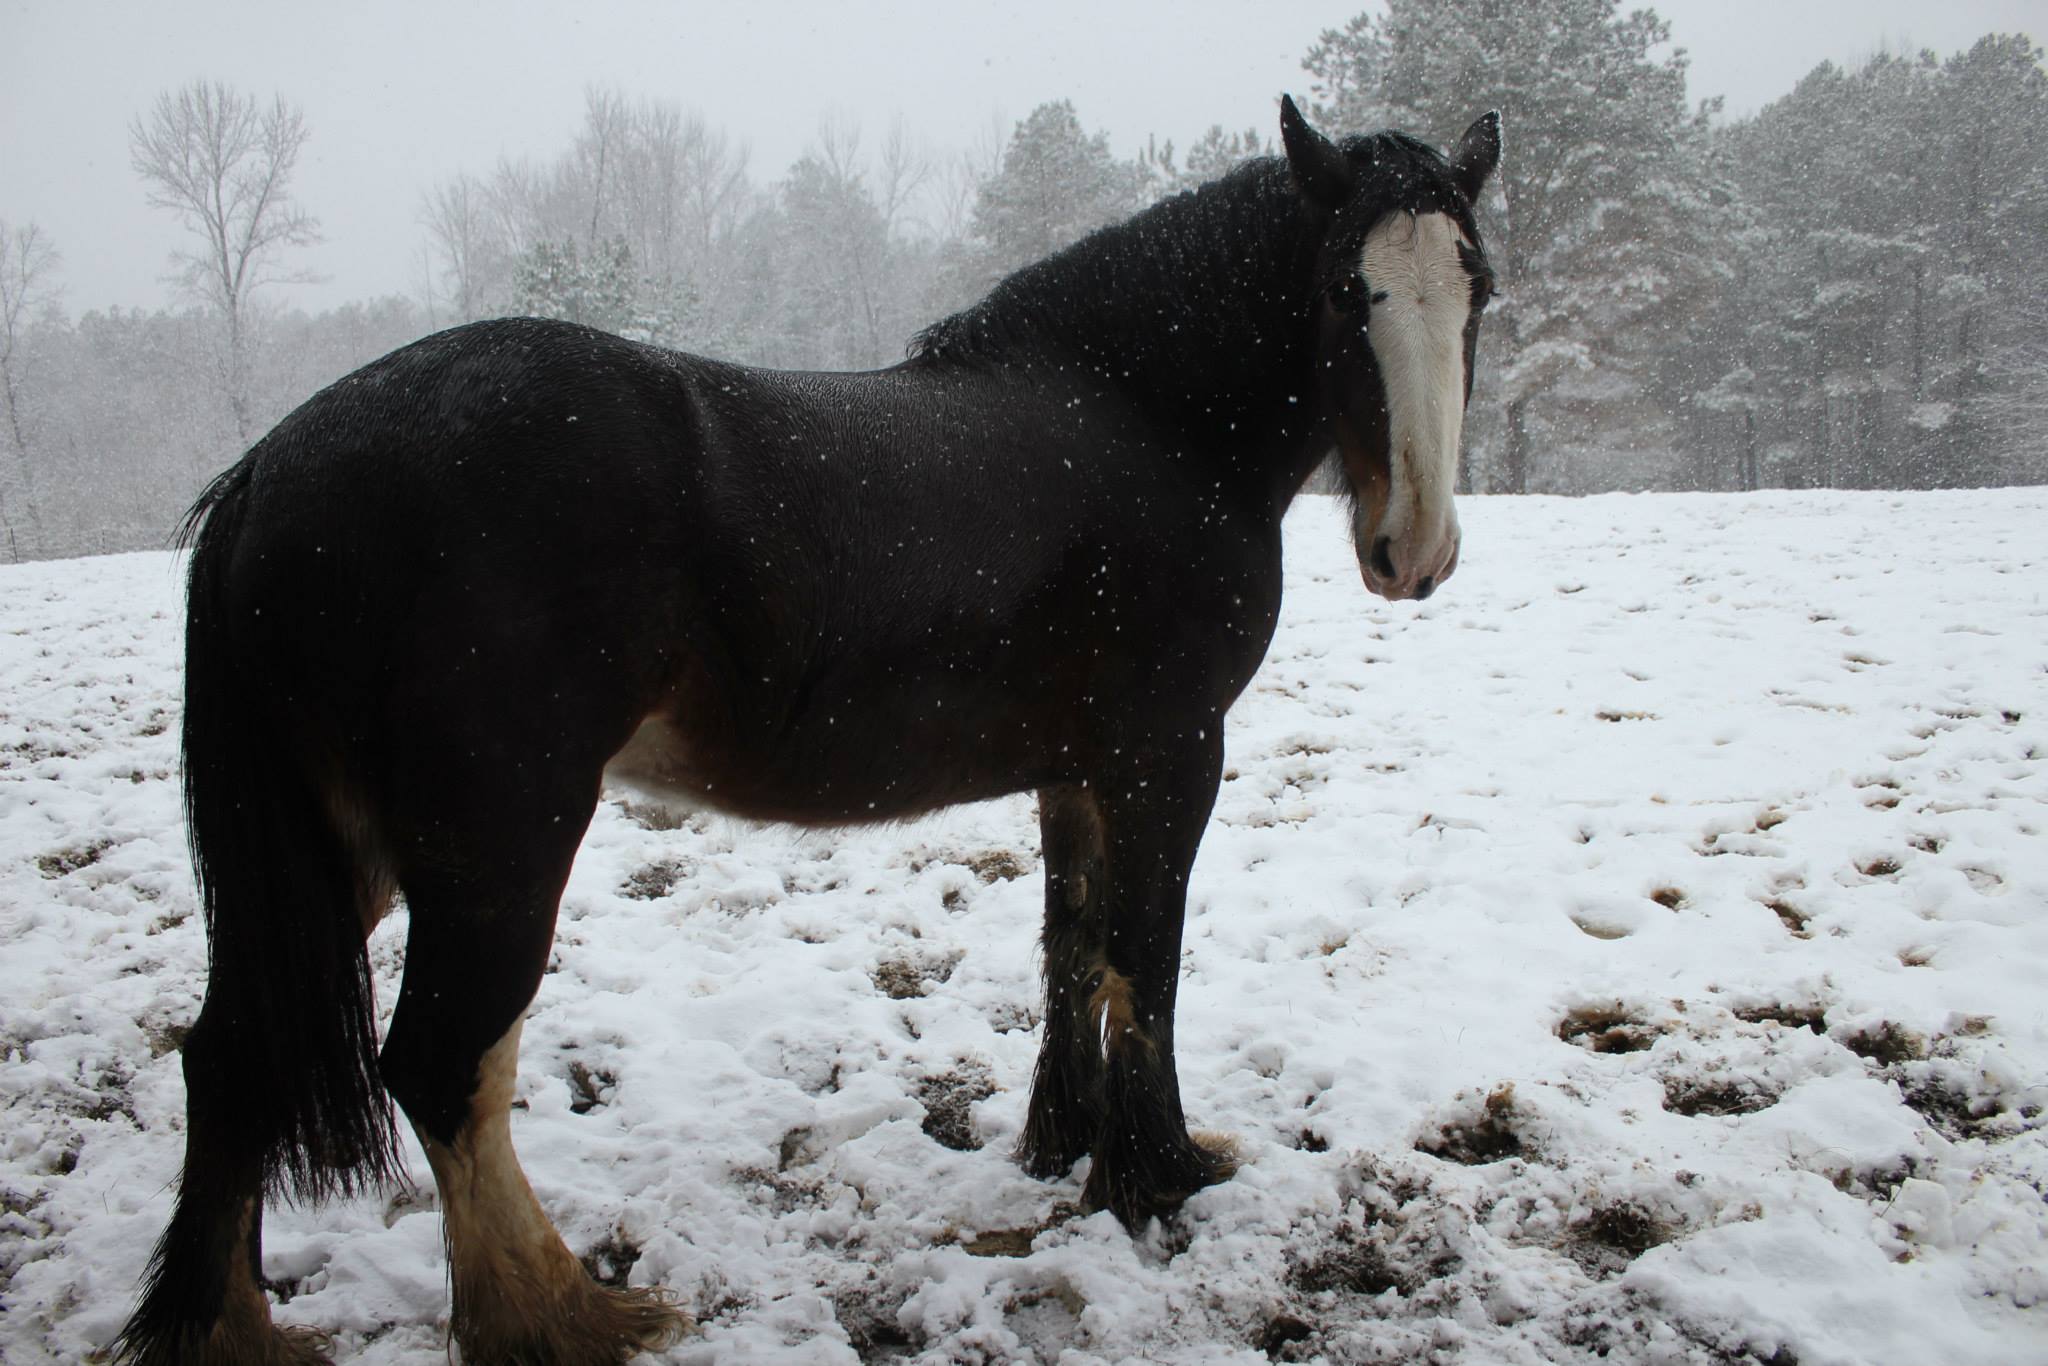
(518, 1290)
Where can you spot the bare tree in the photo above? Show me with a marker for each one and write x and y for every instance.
(26, 261)
(464, 226)
(223, 162)
(905, 169)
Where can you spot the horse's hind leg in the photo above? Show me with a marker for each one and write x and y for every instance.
(203, 1303)
(1066, 1092)
(483, 913)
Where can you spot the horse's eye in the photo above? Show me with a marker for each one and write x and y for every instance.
(1482, 292)
(1348, 294)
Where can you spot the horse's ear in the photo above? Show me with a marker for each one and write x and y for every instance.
(1320, 170)
(1478, 155)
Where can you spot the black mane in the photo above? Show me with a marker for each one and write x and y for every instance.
(1230, 255)
(1169, 256)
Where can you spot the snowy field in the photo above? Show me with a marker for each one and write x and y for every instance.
(1635, 953)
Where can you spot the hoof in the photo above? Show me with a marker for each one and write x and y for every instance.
(1047, 1163)
(230, 1343)
(600, 1327)
(1141, 1187)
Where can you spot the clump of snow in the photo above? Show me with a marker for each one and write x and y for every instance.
(1631, 954)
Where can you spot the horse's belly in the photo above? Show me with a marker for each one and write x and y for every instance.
(655, 764)
(816, 775)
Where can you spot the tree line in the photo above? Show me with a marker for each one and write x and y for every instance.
(1845, 289)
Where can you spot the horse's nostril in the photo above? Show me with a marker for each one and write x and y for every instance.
(1383, 557)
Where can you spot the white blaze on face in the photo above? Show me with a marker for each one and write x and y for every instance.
(1421, 297)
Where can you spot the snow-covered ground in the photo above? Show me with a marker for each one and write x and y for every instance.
(1634, 953)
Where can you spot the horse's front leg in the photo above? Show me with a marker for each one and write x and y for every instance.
(1066, 1092)
(1152, 819)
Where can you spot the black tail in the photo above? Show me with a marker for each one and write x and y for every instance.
(292, 1055)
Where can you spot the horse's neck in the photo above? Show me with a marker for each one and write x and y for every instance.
(1196, 306)
(1193, 311)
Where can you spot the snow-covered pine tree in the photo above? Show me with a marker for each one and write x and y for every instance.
(1892, 289)
(1594, 224)
(1056, 184)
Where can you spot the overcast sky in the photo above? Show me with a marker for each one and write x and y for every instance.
(399, 94)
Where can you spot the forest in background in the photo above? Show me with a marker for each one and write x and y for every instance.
(1846, 289)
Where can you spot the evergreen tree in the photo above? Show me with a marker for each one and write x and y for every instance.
(1595, 228)
(1894, 296)
(597, 289)
(838, 253)
(1056, 184)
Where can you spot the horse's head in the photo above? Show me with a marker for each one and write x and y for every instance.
(1400, 283)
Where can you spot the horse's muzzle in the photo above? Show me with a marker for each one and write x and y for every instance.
(1399, 578)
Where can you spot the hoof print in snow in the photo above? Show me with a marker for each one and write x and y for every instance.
(1355, 1263)
(611, 1259)
(1716, 1096)
(1612, 1236)
(653, 881)
(998, 865)
(62, 862)
(1012, 1017)
(1984, 882)
(1953, 1112)
(1284, 1338)
(988, 865)
(1016, 1242)
(1606, 922)
(589, 1087)
(1607, 1029)
(1486, 1137)
(948, 1100)
(782, 1192)
(1880, 866)
(1790, 916)
(654, 815)
(1811, 1017)
(1670, 898)
(1886, 1044)
(1368, 1255)
(869, 1318)
(906, 976)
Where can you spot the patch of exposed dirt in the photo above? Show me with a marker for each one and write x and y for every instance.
(870, 1319)
(653, 881)
(948, 1098)
(1612, 1236)
(907, 976)
(61, 862)
(1811, 1017)
(1489, 1137)
(1716, 1095)
(1886, 1044)
(1607, 1029)
(1950, 1109)
(610, 1260)
(589, 1087)
(1016, 1242)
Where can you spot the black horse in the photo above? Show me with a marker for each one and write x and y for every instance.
(434, 607)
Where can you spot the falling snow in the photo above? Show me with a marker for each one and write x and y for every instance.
(1631, 954)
